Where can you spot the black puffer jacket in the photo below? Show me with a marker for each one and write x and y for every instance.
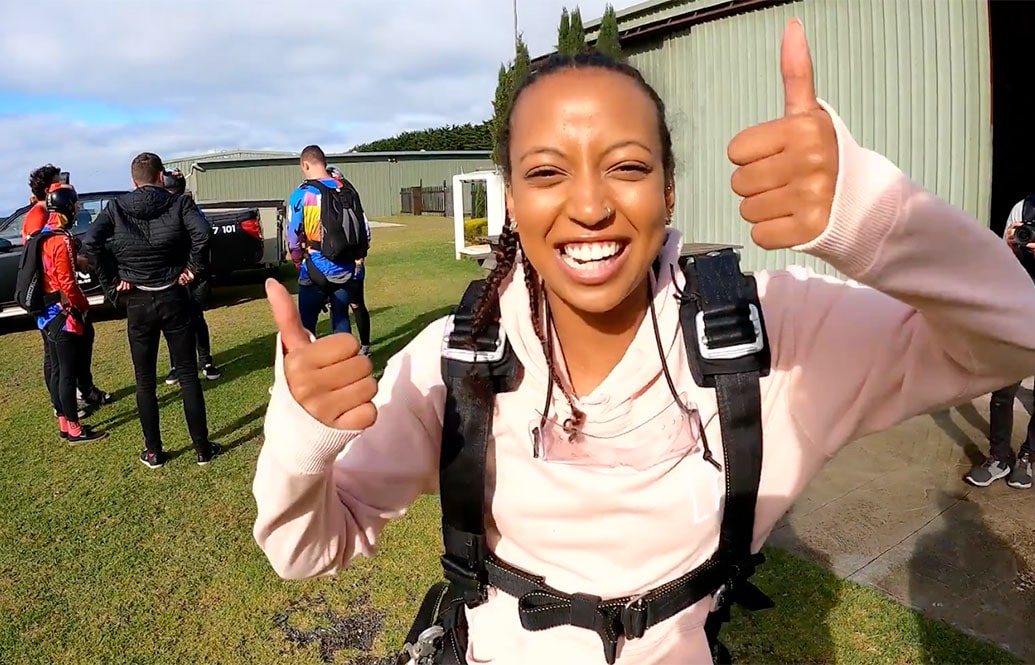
(152, 237)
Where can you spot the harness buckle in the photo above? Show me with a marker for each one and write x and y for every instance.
(425, 649)
(634, 617)
(450, 352)
(731, 322)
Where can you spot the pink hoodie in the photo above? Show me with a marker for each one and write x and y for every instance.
(942, 312)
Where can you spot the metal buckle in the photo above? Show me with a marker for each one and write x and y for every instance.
(634, 617)
(424, 650)
(469, 355)
(730, 352)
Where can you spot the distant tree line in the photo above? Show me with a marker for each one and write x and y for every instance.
(571, 40)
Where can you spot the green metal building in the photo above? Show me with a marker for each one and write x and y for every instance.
(265, 176)
(911, 78)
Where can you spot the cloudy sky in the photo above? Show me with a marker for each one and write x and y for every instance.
(87, 85)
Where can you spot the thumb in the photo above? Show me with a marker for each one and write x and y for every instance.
(285, 315)
(799, 93)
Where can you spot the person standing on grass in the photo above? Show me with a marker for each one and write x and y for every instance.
(159, 243)
(609, 464)
(41, 181)
(1001, 461)
(63, 322)
(357, 302)
(325, 220)
(200, 291)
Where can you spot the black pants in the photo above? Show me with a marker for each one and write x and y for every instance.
(354, 287)
(1000, 425)
(84, 359)
(199, 293)
(64, 348)
(150, 314)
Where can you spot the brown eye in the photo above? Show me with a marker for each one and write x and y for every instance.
(632, 170)
(542, 174)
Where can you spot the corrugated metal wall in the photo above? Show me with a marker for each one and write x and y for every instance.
(910, 78)
(378, 182)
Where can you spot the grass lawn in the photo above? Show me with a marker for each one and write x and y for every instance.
(105, 561)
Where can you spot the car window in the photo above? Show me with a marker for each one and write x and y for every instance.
(87, 214)
(13, 231)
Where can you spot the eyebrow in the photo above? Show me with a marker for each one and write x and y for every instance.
(558, 153)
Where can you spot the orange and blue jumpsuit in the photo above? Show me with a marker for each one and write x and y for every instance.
(62, 321)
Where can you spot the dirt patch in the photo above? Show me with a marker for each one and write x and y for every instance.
(310, 620)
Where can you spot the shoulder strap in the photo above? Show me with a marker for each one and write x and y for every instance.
(474, 369)
(1028, 208)
(728, 350)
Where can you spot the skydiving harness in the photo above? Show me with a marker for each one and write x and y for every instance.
(724, 332)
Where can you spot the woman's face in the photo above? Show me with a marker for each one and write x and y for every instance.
(588, 191)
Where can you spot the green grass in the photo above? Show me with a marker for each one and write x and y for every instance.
(104, 561)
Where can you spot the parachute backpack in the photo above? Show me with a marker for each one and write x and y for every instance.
(728, 351)
(28, 289)
(343, 231)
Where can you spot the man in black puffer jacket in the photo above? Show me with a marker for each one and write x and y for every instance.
(158, 242)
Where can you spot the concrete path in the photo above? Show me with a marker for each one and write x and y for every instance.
(892, 512)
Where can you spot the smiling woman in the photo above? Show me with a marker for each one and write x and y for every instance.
(630, 513)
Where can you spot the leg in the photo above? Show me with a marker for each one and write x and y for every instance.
(54, 381)
(84, 361)
(359, 308)
(199, 296)
(66, 349)
(310, 301)
(143, 332)
(1000, 423)
(340, 311)
(177, 322)
(47, 364)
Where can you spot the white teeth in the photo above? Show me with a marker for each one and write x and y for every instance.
(591, 251)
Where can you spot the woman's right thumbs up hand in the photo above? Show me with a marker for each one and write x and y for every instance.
(328, 377)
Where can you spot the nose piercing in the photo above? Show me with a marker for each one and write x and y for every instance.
(608, 212)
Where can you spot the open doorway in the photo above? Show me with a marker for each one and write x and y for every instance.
(1013, 106)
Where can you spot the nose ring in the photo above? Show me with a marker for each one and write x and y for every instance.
(608, 212)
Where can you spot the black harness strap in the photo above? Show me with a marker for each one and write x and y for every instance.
(474, 369)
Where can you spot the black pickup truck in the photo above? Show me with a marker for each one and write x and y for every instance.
(236, 244)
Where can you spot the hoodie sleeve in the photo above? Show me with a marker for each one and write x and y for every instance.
(938, 311)
(324, 495)
(199, 231)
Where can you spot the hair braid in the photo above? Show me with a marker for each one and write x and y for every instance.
(535, 292)
(488, 303)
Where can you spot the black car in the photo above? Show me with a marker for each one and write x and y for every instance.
(236, 244)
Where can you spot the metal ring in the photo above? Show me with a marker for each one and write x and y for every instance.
(608, 211)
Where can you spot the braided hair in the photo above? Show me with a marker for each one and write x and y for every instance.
(509, 243)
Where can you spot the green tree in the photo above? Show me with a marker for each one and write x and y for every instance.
(607, 35)
(454, 137)
(577, 34)
(522, 64)
(504, 85)
(564, 33)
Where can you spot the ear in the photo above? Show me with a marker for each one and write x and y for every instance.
(508, 200)
(670, 198)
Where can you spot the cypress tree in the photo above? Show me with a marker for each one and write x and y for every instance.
(577, 33)
(607, 36)
(564, 33)
(504, 84)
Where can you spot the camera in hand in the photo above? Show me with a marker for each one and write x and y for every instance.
(1024, 234)
(63, 177)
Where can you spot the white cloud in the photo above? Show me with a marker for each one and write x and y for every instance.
(247, 73)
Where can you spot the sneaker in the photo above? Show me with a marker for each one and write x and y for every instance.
(214, 449)
(152, 460)
(86, 433)
(97, 397)
(210, 372)
(1020, 477)
(170, 379)
(987, 472)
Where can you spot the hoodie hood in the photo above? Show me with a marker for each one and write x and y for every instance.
(639, 369)
(146, 203)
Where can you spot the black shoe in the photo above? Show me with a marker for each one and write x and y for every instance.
(170, 379)
(210, 372)
(214, 450)
(152, 460)
(86, 433)
(97, 397)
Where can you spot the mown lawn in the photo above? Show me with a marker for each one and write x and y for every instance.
(105, 561)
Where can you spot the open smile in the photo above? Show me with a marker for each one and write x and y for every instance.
(592, 263)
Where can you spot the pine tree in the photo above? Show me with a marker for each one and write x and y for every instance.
(607, 35)
(500, 103)
(564, 33)
(522, 64)
(578, 33)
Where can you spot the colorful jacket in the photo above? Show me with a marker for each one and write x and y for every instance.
(58, 256)
(304, 224)
(938, 312)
